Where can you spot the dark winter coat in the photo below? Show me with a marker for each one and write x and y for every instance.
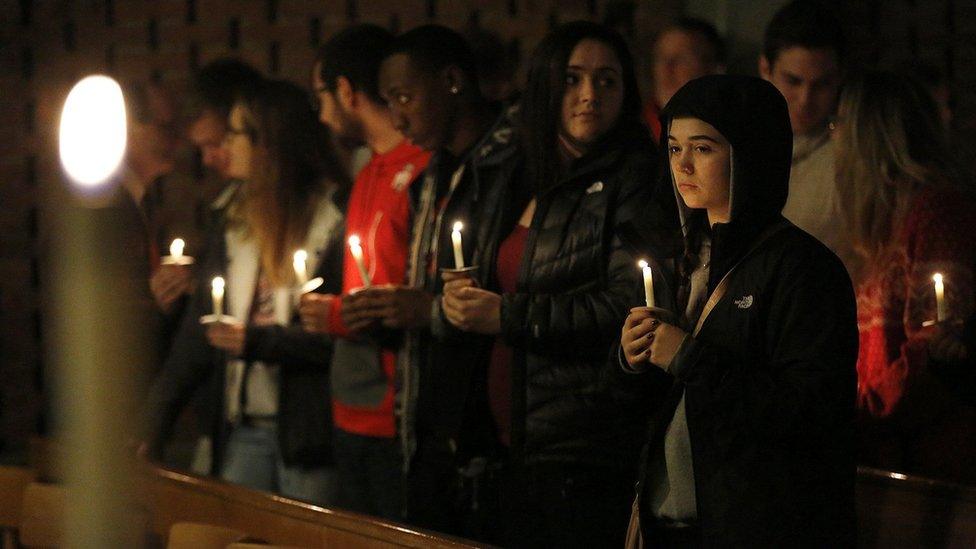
(769, 381)
(576, 284)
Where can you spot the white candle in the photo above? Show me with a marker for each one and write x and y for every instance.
(217, 293)
(458, 250)
(648, 282)
(940, 307)
(301, 274)
(176, 249)
(357, 254)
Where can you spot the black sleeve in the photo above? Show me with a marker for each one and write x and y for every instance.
(811, 341)
(190, 363)
(287, 346)
(584, 322)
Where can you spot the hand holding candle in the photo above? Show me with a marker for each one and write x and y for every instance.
(648, 282)
(217, 293)
(940, 306)
(357, 255)
(458, 249)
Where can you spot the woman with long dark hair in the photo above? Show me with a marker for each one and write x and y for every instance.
(561, 283)
(269, 376)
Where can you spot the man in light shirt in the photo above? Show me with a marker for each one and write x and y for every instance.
(802, 56)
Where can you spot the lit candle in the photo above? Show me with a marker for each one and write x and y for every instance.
(458, 250)
(940, 310)
(648, 282)
(301, 274)
(357, 254)
(217, 293)
(176, 249)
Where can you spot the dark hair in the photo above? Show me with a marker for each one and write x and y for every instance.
(355, 53)
(541, 110)
(218, 84)
(292, 159)
(433, 48)
(717, 51)
(806, 24)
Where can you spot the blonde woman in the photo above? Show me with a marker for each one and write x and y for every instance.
(269, 377)
(907, 222)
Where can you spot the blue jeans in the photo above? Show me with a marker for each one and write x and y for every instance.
(253, 459)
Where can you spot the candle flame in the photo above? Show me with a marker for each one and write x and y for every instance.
(937, 277)
(301, 256)
(458, 226)
(218, 283)
(354, 241)
(643, 264)
(176, 248)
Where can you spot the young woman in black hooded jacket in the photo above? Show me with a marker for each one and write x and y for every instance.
(755, 446)
(560, 284)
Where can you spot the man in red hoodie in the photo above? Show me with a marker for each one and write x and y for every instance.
(378, 213)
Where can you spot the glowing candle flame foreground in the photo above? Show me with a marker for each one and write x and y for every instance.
(301, 269)
(93, 130)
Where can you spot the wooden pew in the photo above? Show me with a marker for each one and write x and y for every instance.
(897, 510)
(171, 496)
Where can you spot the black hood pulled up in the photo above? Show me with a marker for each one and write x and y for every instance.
(752, 115)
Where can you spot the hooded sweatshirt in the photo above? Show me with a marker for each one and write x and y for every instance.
(768, 383)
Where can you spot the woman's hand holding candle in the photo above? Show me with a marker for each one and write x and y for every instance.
(647, 337)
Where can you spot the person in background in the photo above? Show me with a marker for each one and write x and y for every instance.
(803, 53)
(684, 50)
(908, 221)
(269, 376)
(430, 83)
(754, 447)
(364, 361)
(558, 284)
(206, 108)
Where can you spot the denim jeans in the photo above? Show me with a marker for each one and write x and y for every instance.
(253, 459)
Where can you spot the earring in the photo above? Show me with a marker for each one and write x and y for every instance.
(455, 89)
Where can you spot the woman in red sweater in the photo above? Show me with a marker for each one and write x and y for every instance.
(907, 223)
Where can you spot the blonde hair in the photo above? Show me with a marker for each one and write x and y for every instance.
(291, 160)
(890, 144)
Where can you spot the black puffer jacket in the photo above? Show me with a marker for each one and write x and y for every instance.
(576, 284)
(769, 381)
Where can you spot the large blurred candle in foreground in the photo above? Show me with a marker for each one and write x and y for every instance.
(357, 254)
(648, 282)
(217, 293)
(940, 308)
(458, 250)
(301, 272)
(93, 130)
